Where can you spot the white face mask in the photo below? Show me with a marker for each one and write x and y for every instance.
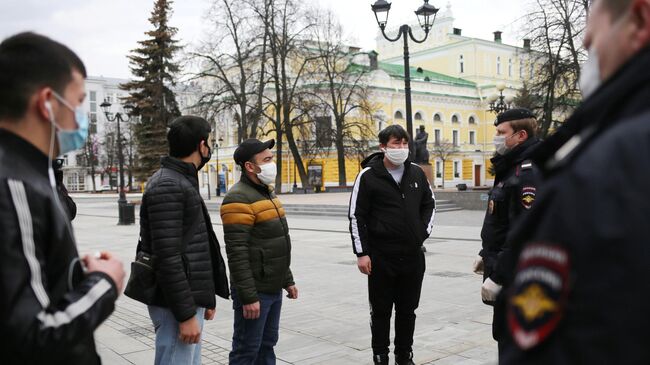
(500, 144)
(268, 173)
(396, 156)
(590, 74)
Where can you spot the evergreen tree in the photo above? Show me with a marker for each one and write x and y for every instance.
(153, 66)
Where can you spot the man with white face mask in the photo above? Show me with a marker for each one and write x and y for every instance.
(580, 290)
(513, 194)
(391, 214)
(259, 255)
(51, 300)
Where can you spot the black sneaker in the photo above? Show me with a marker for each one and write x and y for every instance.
(404, 359)
(380, 359)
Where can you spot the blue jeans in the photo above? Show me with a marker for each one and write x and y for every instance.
(169, 348)
(253, 339)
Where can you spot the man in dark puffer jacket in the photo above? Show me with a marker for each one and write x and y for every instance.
(188, 273)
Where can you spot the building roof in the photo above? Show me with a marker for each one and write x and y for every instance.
(420, 74)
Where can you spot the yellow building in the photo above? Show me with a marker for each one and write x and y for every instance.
(452, 80)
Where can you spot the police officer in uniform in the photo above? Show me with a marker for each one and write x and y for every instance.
(514, 191)
(580, 290)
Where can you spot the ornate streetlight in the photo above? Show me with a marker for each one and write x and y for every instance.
(426, 15)
(216, 148)
(499, 103)
(126, 211)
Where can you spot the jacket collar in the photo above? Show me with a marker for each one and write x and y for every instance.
(28, 152)
(187, 169)
(625, 94)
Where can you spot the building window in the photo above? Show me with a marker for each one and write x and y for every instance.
(472, 137)
(521, 68)
(418, 116)
(510, 67)
(399, 115)
(437, 117)
(436, 136)
(438, 169)
(455, 138)
(456, 169)
(455, 119)
(461, 64)
(472, 120)
(498, 65)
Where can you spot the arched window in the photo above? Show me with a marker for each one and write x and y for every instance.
(461, 64)
(455, 119)
(418, 116)
(437, 117)
(472, 120)
(399, 115)
(498, 65)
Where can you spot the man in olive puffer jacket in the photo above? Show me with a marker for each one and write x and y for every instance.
(259, 255)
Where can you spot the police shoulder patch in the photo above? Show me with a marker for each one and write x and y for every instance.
(528, 194)
(537, 299)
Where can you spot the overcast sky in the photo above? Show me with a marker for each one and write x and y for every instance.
(102, 32)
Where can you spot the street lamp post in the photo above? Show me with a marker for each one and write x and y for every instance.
(426, 16)
(216, 148)
(295, 163)
(499, 103)
(126, 211)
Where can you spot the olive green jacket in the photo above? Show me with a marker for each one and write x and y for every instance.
(257, 240)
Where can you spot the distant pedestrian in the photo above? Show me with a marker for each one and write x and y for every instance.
(391, 214)
(259, 255)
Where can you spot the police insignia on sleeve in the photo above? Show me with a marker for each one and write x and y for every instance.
(528, 196)
(539, 293)
(491, 205)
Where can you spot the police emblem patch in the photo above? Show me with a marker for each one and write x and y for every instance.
(538, 297)
(528, 196)
(491, 205)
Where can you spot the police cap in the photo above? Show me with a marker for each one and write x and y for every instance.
(513, 114)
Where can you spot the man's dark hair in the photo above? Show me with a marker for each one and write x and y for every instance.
(30, 61)
(185, 134)
(394, 130)
(617, 7)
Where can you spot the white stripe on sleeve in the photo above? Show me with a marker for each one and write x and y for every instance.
(433, 212)
(356, 238)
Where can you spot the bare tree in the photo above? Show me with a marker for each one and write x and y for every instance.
(340, 85)
(443, 150)
(233, 59)
(108, 157)
(90, 157)
(556, 29)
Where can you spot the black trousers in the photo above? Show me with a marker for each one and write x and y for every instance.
(394, 280)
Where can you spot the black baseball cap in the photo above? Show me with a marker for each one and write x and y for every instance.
(250, 148)
(513, 114)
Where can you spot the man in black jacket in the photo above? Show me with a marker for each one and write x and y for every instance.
(391, 214)
(513, 194)
(176, 229)
(51, 301)
(580, 291)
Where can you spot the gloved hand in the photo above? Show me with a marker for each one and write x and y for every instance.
(490, 290)
(477, 266)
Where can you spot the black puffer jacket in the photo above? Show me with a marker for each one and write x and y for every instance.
(386, 217)
(187, 279)
(49, 308)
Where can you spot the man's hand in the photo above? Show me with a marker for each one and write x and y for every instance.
(209, 314)
(490, 290)
(364, 264)
(109, 265)
(477, 266)
(252, 311)
(292, 292)
(190, 331)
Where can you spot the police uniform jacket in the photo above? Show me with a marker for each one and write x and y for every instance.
(580, 293)
(515, 188)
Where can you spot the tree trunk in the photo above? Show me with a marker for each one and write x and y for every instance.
(340, 151)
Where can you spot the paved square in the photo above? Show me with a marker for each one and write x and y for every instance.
(329, 323)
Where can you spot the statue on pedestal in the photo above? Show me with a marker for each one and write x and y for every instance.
(421, 152)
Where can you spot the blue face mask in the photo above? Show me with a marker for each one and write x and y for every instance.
(71, 140)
